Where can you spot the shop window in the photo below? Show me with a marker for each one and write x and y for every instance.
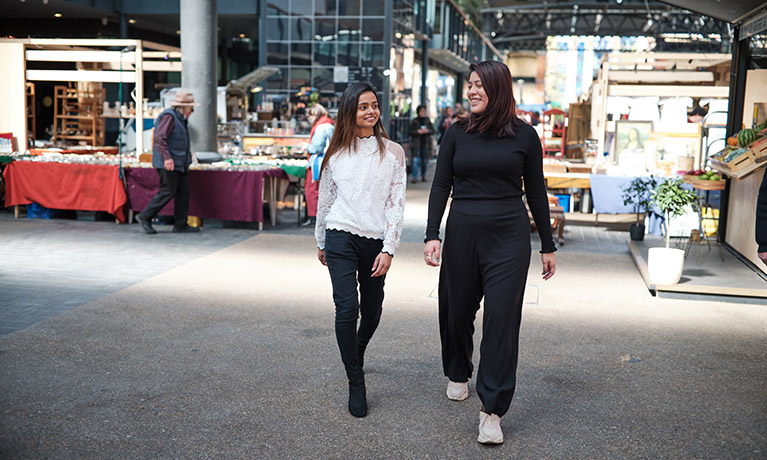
(325, 7)
(349, 7)
(278, 29)
(324, 53)
(349, 29)
(301, 54)
(277, 54)
(325, 29)
(277, 8)
(372, 55)
(373, 7)
(300, 77)
(323, 79)
(373, 30)
(301, 30)
(348, 54)
(301, 7)
(278, 80)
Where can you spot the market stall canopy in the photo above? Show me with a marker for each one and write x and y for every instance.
(732, 11)
(250, 79)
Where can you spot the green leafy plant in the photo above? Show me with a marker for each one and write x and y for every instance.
(639, 194)
(672, 199)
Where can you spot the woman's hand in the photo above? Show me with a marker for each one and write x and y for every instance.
(381, 265)
(169, 166)
(431, 253)
(321, 257)
(549, 262)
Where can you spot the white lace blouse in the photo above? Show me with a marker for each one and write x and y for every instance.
(363, 194)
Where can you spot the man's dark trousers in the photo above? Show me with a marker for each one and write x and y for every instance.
(173, 185)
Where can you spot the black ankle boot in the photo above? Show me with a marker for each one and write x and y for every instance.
(358, 404)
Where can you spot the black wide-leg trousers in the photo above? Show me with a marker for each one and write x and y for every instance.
(484, 256)
(350, 261)
(174, 185)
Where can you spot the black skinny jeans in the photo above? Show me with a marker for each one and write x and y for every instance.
(350, 261)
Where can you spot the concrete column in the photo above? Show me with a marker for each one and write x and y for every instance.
(199, 40)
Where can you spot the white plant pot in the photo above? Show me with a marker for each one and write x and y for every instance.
(665, 265)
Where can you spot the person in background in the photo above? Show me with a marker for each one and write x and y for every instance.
(171, 157)
(696, 115)
(359, 225)
(319, 140)
(459, 115)
(761, 220)
(444, 122)
(488, 161)
(421, 131)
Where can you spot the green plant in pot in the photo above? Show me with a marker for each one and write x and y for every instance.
(638, 194)
(665, 264)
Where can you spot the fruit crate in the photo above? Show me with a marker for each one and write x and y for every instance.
(743, 161)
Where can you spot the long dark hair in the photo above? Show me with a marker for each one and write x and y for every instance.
(500, 116)
(346, 122)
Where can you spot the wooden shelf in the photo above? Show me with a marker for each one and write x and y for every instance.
(79, 110)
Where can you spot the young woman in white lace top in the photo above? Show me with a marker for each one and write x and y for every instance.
(359, 223)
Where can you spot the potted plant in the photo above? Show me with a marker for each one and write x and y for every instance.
(639, 194)
(665, 264)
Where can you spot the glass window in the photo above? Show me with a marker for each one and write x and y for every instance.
(349, 29)
(348, 54)
(372, 55)
(324, 53)
(277, 53)
(278, 80)
(277, 8)
(325, 29)
(323, 79)
(373, 29)
(301, 54)
(349, 7)
(278, 29)
(300, 76)
(301, 7)
(373, 7)
(325, 7)
(301, 30)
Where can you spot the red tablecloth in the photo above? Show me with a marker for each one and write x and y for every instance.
(224, 195)
(65, 186)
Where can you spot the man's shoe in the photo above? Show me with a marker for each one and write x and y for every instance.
(490, 429)
(310, 222)
(358, 404)
(147, 226)
(185, 229)
(457, 391)
(414, 181)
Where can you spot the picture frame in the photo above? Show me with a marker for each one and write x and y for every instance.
(631, 136)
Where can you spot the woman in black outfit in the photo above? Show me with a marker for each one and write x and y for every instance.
(485, 159)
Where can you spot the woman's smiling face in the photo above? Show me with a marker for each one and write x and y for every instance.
(476, 94)
(367, 113)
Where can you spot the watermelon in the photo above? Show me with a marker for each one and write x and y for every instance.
(746, 136)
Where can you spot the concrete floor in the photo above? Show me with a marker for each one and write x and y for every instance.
(221, 345)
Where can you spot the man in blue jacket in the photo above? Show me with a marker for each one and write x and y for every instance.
(171, 157)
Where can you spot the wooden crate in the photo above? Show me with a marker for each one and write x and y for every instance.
(745, 160)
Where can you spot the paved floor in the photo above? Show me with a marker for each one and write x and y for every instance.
(220, 345)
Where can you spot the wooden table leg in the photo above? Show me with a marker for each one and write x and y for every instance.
(15, 211)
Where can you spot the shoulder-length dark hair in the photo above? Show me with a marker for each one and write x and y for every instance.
(344, 136)
(500, 116)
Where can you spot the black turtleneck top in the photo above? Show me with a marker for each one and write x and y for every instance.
(486, 173)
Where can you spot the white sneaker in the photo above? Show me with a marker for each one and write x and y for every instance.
(490, 429)
(457, 391)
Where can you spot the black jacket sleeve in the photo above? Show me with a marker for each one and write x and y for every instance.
(761, 215)
(441, 185)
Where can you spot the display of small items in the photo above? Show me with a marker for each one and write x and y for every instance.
(743, 149)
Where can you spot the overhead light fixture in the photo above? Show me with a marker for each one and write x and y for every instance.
(178, 32)
(57, 15)
(131, 21)
(242, 35)
(256, 89)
